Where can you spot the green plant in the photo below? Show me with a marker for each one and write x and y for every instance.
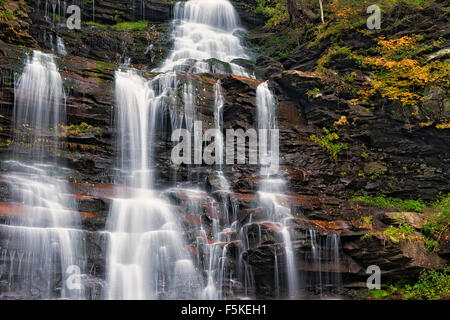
(383, 294)
(399, 233)
(432, 285)
(275, 10)
(376, 174)
(430, 244)
(326, 141)
(443, 204)
(78, 129)
(367, 220)
(6, 143)
(314, 93)
(131, 26)
(388, 202)
(438, 223)
(349, 78)
(5, 15)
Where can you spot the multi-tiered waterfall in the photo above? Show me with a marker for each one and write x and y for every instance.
(314, 249)
(270, 187)
(204, 38)
(147, 257)
(44, 246)
(150, 254)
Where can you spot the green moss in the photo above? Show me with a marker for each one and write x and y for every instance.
(131, 26)
(388, 202)
(104, 67)
(122, 26)
(96, 24)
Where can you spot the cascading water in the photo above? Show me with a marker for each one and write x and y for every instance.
(44, 238)
(204, 39)
(324, 249)
(147, 252)
(270, 187)
(39, 96)
(147, 258)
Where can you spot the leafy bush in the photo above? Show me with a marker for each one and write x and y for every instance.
(430, 244)
(431, 285)
(397, 234)
(275, 10)
(81, 129)
(326, 142)
(398, 74)
(438, 223)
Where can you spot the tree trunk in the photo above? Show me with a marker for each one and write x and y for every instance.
(305, 10)
(293, 11)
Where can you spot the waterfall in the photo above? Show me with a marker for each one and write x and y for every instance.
(38, 106)
(44, 236)
(204, 39)
(218, 123)
(147, 255)
(60, 47)
(267, 123)
(270, 187)
(324, 248)
(147, 258)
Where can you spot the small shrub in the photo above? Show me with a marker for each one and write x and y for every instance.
(81, 129)
(326, 141)
(313, 93)
(397, 234)
(432, 285)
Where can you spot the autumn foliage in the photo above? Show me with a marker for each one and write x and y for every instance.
(397, 75)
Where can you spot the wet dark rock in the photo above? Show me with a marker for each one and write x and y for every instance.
(249, 18)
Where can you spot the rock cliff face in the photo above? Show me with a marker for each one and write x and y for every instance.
(403, 159)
